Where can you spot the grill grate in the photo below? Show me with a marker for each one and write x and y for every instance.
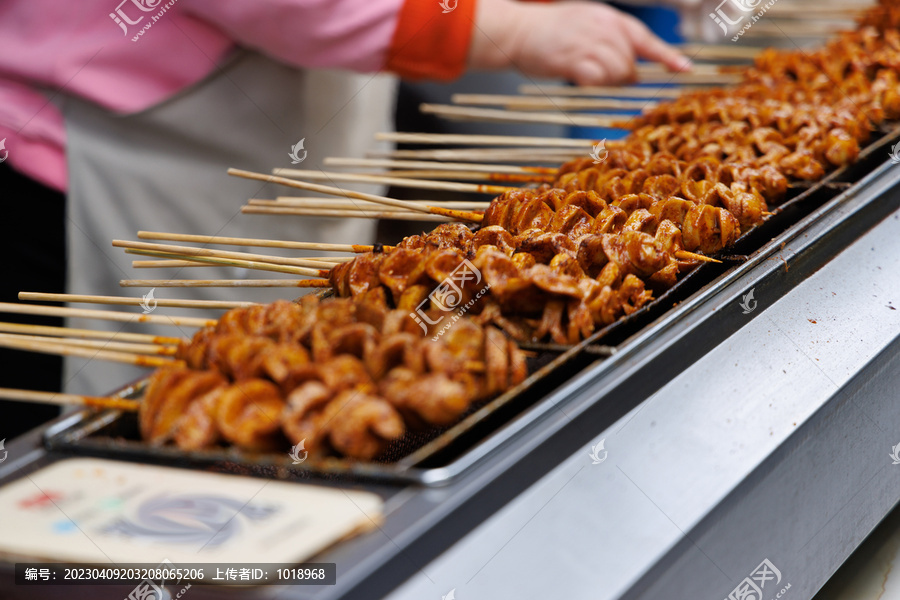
(419, 455)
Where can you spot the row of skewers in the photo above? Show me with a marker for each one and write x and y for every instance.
(336, 376)
(595, 240)
(695, 172)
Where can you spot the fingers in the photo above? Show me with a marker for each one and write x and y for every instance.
(613, 34)
(612, 59)
(588, 72)
(591, 44)
(619, 66)
(649, 46)
(604, 68)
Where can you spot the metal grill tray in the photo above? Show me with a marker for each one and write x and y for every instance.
(436, 456)
(114, 434)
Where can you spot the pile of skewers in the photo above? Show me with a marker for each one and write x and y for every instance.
(591, 241)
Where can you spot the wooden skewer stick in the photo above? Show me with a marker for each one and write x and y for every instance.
(685, 255)
(471, 176)
(126, 301)
(436, 166)
(491, 115)
(811, 21)
(550, 102)
(530, 154)
(483, 140)
(331, 260)
(697, 69)
(475, 154)
(324, 189)
(774, 28)
(356, 211)
(69, 399)
(397, 215)
(151, 349)
(227, 283)
(649, 91)
(550, 156)
(103, 315)
(715, 79)
(194, 253)
(362, 211)
(605, 91)
(233, 262)
(123, 336)
(780, 10)
(829, 22)
(340, 204)
(259, 243)
(10, 341)
(451, 186)
(156, 264)
(701, 51)
(860, 4)
(179, 264)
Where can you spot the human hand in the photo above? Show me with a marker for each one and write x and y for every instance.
(587, 43)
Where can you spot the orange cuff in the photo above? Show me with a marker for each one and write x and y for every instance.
(430, 42)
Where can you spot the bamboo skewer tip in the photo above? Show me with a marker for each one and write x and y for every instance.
(685, 255)
(61, 399)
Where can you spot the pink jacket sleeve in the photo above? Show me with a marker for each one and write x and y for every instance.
(353, 34)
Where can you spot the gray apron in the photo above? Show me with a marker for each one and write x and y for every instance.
(164, 170)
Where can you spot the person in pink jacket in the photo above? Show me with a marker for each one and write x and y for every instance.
(124, 113)
(118, 57)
